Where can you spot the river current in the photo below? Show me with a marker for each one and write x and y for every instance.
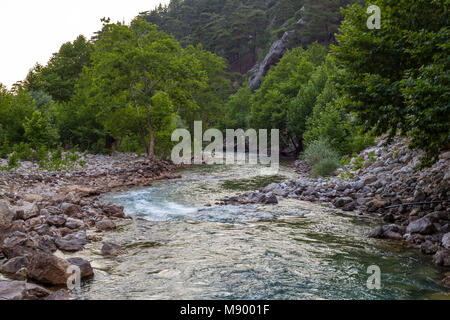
(181, 245)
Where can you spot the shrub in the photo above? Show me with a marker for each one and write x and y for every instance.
(24, 151)
(318, 150)
(5, 149)
(13, 160)
(322, 157)
(325, 167)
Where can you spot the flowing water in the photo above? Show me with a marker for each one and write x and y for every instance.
(181, 245)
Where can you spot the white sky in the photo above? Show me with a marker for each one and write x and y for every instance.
(32, 30)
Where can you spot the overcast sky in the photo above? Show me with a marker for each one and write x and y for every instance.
(31, 30)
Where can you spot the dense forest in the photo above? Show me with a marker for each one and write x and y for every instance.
(337, 86)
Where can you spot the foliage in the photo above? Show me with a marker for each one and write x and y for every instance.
(397, 77)
(139, 77)
(322, 157)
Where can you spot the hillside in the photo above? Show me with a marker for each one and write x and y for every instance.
(244, 31)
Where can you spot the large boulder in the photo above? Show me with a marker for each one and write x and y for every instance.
(61, 294)
(341, 202)
(17, 244)
(112, 210)
(15, 267)
(49, 269)
(423, 226)
(84, 265)
(70, 209)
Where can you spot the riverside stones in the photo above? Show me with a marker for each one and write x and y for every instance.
(49, 269)
(84, 265)
(110, 249)
(20, 290)
(422, 226)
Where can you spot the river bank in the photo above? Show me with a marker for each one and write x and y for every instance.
(42, 213)
(383, 181)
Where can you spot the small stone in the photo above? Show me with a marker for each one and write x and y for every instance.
(105, 224)
(112, 249)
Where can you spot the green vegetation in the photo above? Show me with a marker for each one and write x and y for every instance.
(130, 86)
(320, 155)
(396, 78)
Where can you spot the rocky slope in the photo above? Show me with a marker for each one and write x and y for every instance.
(44, 212)
(383, 181)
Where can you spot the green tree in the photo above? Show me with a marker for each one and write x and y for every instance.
(133, 64)
(397, 77)
(59, 77)
(38, 131)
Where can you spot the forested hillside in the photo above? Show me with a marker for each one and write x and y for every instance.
(243, 30)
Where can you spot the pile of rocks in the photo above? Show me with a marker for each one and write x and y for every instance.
(384, 180)
(43, 212)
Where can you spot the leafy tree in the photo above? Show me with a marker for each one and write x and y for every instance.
(133, 65)
(38, 131)
(282, 89)
(237, 109)
(59, 76)
(397, 77)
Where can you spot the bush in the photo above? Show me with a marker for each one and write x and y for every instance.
(325, 167)
(5, 149)
(24, 151)
(322, 157)
(318, 150)
(13, 160)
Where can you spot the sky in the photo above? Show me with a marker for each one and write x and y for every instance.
(32, 30)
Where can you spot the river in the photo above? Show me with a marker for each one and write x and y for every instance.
(181, 245)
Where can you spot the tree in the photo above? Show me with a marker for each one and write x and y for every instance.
(282, 88)
(397, 78)
(322, 19)
(59, 77)
(38, 131)
(133, 65)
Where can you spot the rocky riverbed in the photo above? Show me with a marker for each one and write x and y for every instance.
(382, 181)
(46, 214)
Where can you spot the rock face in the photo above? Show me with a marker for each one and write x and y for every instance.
(276, 52)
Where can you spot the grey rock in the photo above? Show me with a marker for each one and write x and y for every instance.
(428, 247)
(105, 224)
(111, 249)
(422, 226)
(72, 242)
(446, 240)
(84, 265)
